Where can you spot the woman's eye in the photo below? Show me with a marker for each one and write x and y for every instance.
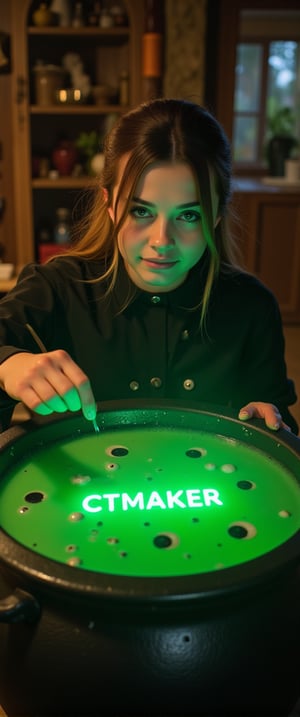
(140, 212)
(190, 217)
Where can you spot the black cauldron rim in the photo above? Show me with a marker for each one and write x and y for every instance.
(46, 574)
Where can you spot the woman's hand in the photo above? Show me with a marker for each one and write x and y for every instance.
(47, 383)
(267, 411)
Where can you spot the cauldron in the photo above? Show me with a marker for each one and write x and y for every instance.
(149, 569)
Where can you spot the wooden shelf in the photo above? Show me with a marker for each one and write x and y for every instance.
(75, 108)
(64, 182)
(82, 31)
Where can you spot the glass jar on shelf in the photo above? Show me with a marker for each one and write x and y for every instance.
(48, 79)
(78, 16)
(106, 19)
(94, 14)
(119, 16)
(62, 228)
(62, 11)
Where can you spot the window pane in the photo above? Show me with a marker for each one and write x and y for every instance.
(245, 137)
(248, 78)
(284, 62)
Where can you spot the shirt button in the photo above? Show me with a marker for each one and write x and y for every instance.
(134, 385)
(156, 382)
(185, 335)
(188, 384)
(155, 299)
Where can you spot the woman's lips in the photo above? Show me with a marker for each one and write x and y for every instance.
(157, 264)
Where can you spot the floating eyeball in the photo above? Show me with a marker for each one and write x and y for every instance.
(35, 496)
(116, 451)
(166, 541)
(246, 485)
(196, 452)
(241, 530)
(111, 466)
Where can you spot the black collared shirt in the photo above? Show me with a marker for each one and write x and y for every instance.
(134, 344)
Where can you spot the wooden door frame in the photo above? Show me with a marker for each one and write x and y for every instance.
(7, 220)
(21, 134)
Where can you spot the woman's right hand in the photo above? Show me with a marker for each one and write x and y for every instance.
(47, 383)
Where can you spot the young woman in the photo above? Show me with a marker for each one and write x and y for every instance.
(149, 301)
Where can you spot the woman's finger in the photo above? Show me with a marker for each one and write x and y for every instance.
(268, 411)
(88, 403)
(79, 379)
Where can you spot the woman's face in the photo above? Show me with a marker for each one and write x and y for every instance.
(161, 238)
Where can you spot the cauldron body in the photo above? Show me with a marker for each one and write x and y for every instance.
(78, 642)
(238, 657)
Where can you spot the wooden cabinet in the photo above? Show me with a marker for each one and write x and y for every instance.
(268, 232)
(105, 54)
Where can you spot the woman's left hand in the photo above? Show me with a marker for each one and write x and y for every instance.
(267, 411)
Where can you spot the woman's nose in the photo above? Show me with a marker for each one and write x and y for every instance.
(162, 236)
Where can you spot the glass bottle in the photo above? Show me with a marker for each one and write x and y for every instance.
(106, 19)
(94, 14)
(78, 18)
(119, 16)
(62, 10)
(62, 227)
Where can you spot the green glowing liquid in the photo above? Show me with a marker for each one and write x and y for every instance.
(157, 511)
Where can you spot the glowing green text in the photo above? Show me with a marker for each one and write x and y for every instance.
(192, 498)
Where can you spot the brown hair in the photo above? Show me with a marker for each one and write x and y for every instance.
(163, 130)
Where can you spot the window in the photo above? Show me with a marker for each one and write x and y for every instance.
(267, 78)
(247, 102)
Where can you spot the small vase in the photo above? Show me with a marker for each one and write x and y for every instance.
(48, 79)
(64, 158)
(279, 149)
(43, 16)
(61, 9)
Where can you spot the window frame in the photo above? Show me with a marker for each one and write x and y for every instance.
(223, 36)
(258, 165)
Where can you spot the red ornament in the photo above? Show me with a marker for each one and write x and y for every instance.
(64, 158)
